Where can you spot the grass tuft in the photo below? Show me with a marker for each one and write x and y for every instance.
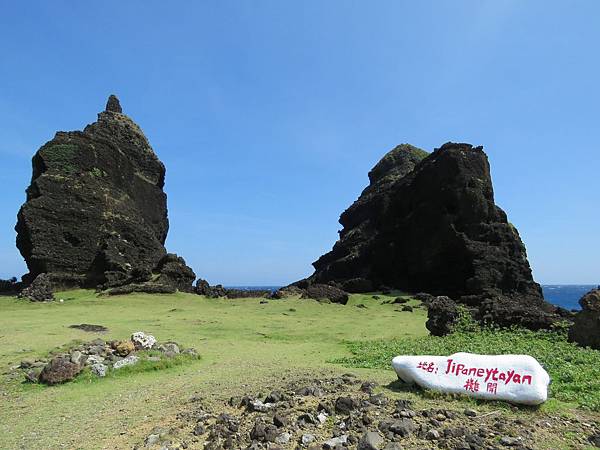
(143, 365)
(574, 371)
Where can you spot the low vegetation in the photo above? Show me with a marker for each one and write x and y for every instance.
(574, 371)
(245, 346)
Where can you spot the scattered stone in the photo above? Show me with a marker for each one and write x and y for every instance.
(307, 439)
(335, 442)
(94, 359)
(59, 370)
(123, 348)
(371, 440)
(143, 341)
(307, 419)
(407, 308)
(400, 300)
(99, 369)
(151, 439)
(283, 438)
(78, 358)
(509, 441)
(263, 432)
(403, 427)
(392, 446)
(128, 361)
(33, 375)
(432, 435)
(345, 405)
(274, 397)
(259, 406)
(378, 399)
(595, 440)
(428, 222)
(169, 347)
(470, 413)
(280, 421)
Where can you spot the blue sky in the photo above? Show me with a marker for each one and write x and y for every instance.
(269, 114)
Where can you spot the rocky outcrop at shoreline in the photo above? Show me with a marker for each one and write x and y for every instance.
(586, 327)
(428, 223)
(96, 212)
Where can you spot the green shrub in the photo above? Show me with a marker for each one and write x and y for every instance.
(574, 371)
(60, 157)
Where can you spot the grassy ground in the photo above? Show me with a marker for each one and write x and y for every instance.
(244, 346)
(242, 343)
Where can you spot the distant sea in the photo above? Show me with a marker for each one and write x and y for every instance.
(565, 295)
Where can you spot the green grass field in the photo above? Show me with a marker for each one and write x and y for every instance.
(244, 346)
(241, 342)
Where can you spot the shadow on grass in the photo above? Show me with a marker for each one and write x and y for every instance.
(401, 386)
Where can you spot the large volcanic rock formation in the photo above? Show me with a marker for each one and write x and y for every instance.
(96, 213)
(428, 223)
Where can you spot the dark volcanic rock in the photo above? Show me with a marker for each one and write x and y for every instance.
(324, 291)
(203, 288)
(174, 272)
(95, 212)
(429, 223)
(95, 203)
(442, 314)
(586, 329)
(40, 290)
(247, 293)
(59, 370)
(9, 287)
(288, 291)
(147, 288)
(507, 311)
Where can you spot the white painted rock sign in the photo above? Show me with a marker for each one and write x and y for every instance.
(513, 378)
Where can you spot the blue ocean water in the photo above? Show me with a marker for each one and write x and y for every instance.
(565, 295)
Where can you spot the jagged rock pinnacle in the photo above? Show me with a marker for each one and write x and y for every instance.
(113, 104)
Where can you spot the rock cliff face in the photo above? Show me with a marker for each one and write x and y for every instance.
(95, 212)
(428, 222)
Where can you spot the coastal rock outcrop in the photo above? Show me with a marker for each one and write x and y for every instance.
(586, 327)
(40, 290)
(428, 222)
(96, 212)
(326, 292)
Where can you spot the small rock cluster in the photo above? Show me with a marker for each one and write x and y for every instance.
(100, 356)
(40, 290)
(346, 413)
(322, 292)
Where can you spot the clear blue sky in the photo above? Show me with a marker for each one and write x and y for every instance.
(269, 114)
